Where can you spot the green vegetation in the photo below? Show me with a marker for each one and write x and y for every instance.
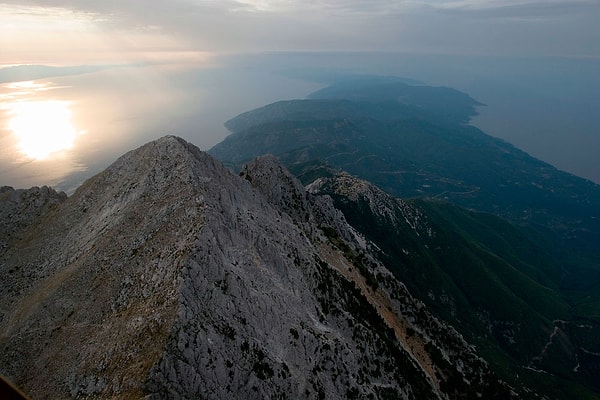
(497, 283)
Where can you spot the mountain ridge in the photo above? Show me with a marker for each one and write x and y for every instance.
(167, 276)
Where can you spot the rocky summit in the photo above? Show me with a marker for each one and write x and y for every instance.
(168, 276)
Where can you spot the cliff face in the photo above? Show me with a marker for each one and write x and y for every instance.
(167, 276)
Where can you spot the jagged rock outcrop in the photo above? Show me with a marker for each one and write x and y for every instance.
(386, 207)
(167, 276)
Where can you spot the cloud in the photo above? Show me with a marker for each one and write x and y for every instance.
(519, 9)
(450, 26)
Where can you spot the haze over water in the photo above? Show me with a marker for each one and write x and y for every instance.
(545, 111)
(124, 74)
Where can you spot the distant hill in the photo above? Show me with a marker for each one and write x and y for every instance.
(18, 73)
(412, 142)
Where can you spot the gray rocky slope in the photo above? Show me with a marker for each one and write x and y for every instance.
(167, 276)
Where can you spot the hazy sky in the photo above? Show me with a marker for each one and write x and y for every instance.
(92, 31)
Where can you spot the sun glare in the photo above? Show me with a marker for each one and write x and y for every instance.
(42, 127)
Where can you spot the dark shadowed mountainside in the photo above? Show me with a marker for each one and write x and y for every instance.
(498, 283)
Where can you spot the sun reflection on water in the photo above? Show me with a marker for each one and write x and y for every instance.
(38, 134)
(42, 127)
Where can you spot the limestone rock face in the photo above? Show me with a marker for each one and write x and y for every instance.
(167, 276)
